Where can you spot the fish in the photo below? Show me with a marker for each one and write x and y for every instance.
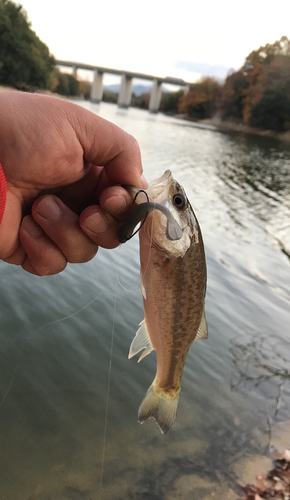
(173, 282)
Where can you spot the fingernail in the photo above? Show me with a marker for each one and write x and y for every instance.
(96, 223)
(31, 227)
(48, 209)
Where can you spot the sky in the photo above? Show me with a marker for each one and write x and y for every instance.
(181, 38)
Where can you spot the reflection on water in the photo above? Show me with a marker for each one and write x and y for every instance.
(262, 363)
(57, 333)
(256, 180)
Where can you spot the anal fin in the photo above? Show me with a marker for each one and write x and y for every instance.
(141, 341)
(202, 329)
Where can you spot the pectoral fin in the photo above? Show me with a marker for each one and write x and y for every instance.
(141, 341)
(202, 329)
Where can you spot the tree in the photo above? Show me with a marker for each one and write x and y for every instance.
(24, 58)
(271, 72)
(254, 90)
(169, 101)
(200, 101)
(232, 95)
(272, 111)
(110, 96)
(85, 88)
(267, 68)
(65, 84)
(267, 53)
(140, 101)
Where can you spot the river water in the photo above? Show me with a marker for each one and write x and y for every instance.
(63, 435)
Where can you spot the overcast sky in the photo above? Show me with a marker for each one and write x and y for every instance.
(181, 38)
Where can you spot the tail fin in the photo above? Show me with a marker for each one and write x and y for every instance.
(160, 405)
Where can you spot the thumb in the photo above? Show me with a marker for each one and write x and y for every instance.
(107, 145)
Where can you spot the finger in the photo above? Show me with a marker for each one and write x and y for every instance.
(18, 257)
(100, 226)
(61, 225)
(116, 201)
(80, 194)
(42, 255)
(106, 144)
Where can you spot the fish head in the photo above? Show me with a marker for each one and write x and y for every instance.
(168, 192)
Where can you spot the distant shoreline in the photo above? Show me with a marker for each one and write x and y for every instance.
(228, 126)
(220, 125)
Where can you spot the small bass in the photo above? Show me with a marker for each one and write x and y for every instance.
(173, 283)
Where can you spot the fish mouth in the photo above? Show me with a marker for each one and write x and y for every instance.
(140, 212)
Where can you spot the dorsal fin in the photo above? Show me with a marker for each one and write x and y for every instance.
(141, 341)
(202, 329)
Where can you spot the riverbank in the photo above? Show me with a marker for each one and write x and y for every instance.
(229, 126)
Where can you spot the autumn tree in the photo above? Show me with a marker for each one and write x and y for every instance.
(24, 59)
(232, 95)
(254, 90)
(267, 53)
(267, 68)
(200, 102)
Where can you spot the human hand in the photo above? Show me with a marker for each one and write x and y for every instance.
(65, 166)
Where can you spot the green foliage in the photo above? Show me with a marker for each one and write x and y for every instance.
(24, 59)
(272, 112)
(67, 85)
(169, 101)
(110, 96)
(140, 101)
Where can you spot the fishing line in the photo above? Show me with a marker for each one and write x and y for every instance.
(108, 393)
(117, 264)
(37, 331)
(54, 322)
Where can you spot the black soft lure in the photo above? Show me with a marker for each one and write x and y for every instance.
(140, 212)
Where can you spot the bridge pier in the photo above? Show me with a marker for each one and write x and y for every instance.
(75, 71)
(186, 89)
(97, 87)
(155, 96)
(125, 93)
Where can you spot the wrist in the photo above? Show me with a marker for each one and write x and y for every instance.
(3, 191)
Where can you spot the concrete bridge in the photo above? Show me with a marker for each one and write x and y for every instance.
(125, 93)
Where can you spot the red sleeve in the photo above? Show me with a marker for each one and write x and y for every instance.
(3, 191)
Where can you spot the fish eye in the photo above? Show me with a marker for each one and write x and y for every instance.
(179, 200)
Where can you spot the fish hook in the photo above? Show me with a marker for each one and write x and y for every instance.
(141, 211)
(123, 229)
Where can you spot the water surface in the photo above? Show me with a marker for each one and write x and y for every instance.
(54, 371)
